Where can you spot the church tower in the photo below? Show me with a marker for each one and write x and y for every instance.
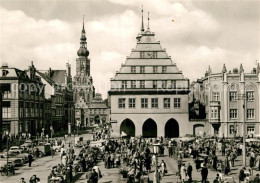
(82, 81)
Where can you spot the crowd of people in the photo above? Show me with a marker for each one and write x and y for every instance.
(137, 158)
(216, 154)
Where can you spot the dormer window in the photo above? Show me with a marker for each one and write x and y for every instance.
(4, 73)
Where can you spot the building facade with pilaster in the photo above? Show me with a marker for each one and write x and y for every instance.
(230, 98)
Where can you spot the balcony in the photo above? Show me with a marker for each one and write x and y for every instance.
(214, 103)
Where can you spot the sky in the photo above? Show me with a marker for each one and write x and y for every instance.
(203, 33)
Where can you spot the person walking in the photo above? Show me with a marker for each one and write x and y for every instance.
(204, 174)
(30, 159)
(257, 179)
(22, 180)
(34, 179)
(189, 173)
(94, 176)
(183, 173)
(242, 175)
(163, 168)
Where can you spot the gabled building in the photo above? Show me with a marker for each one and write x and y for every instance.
(230, 98)
(149, 94)
(59, 99)
(23, 101)
(97, 110)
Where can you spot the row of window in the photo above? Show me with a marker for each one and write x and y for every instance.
(142, 83)
(234, 130)
(154, 103)
(233, 96)
(142, 69)
(97, 111)
(232, 114)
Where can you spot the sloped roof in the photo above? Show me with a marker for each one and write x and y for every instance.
(46, 78)
(59, 76)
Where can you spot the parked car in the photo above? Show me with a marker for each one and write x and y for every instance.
(229, 180)
(17, 161)
(56, 148)
(15, 149)
(24, 156)
(27, 144)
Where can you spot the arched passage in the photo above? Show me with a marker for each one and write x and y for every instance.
(172, 129)
(149, 129)
(128, 127)
(198, 129)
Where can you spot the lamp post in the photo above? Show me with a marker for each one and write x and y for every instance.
(156, 152)
(51, 128)
(244, 98)
(7, 149)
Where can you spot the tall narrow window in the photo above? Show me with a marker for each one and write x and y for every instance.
(215, 96)
(142, 84)
(155, 54)
(164, 69)
(144, 103)
(250, 96)
(155, 69)
(142, 54)
(133, 69)
(166, 102)
(154, 84)
(214, 113)
(132, 103)
(177, 103)
(250, 114)
(164, 84)
(173, 84)
(133, 84)
(121, 103)
(233, 113)
(154, 102)
(142, 69)
(124, 84)
(233, 96)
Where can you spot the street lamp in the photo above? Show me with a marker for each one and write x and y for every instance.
(7, 149)
(51, 128)
(156, 152)
(244, 98)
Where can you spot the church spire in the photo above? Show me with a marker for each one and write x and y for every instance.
(83, 29)
(148, 27)
(142, 25)
(83, 52)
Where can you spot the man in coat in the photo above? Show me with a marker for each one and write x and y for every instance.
(30, 159)
(204, 174)
(242, 174)
(189, 173)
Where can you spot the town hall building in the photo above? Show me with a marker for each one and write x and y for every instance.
(149, 94)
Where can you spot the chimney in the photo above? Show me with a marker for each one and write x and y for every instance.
(4, 65)
(49, 72)
(68, 69)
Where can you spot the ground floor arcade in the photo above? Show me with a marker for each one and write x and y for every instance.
(154, 125)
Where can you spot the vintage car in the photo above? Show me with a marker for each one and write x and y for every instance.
(15, 149)
(24, 156)
(27, 144)
(229, 180)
